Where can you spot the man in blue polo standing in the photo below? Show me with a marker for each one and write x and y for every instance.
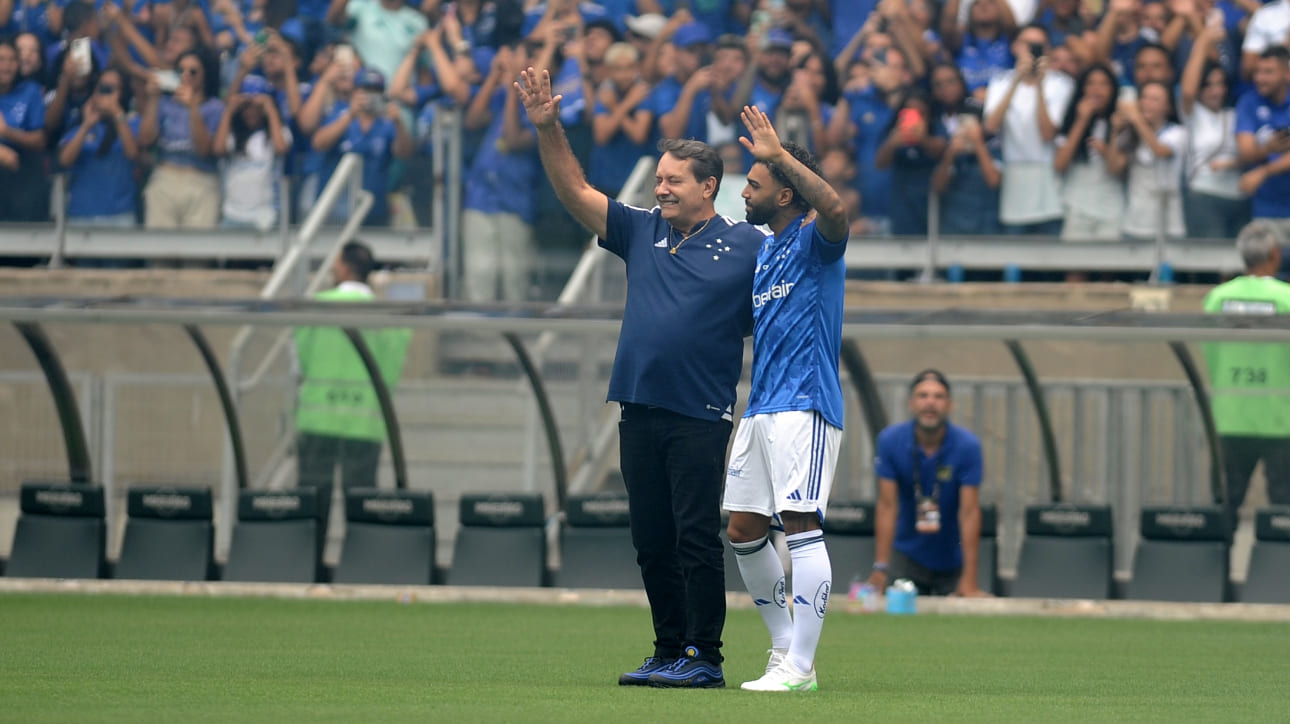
(680, 353)
(927, 525)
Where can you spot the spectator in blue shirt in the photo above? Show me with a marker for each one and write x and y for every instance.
(927, 525)
(981, 47)
(38, 17)
(681, 101)
(968, 175)
(1119, 36)
(809, 103)
(328, 96)
(767, 78)
(1066, 25)
(848, 17)
(31, 57)
(566, 14)
(498, 206)
(99, 155)
(620, 129)
(22, 142)
(718, 16)
(79, 21)
(424, 87)
(914, 143)
(1263, 137)
(184, 189)
(372, 127)
(861, 120)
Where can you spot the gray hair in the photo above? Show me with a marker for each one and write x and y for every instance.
(1257, 242)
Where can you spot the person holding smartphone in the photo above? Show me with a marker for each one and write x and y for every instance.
(22, 143)
(915, 142)
(184, 189)
(1024, 106)
(371, 126)
(252, 140)
(99, 154)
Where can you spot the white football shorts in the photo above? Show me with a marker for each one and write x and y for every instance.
(782, 461)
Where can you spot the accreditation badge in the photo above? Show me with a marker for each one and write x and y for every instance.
(929, 516)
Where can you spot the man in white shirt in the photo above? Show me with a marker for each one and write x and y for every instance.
(1268, 26)
(1024, 106)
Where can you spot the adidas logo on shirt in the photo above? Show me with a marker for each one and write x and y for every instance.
(661, 243)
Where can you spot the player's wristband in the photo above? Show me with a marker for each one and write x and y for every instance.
(881, 567)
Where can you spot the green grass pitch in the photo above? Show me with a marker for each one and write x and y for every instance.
(142, 659)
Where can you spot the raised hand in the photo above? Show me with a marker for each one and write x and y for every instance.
(534, 88)
(765, 145)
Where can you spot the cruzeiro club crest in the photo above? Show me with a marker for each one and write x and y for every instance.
(781, 599)
(821, 599)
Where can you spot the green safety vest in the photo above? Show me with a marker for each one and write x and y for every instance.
(1250, 382)
(336, 395)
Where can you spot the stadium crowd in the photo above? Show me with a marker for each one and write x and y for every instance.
(1088, 119)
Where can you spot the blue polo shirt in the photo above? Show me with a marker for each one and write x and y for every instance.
(1259, 116)
(955, 465)
(100, 184)
(681, 346)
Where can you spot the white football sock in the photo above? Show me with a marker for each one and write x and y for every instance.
(812, 579)
(763, 575)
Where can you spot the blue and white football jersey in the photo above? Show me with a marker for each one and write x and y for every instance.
(797, 324)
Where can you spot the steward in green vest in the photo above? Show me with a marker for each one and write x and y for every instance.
(1250, 382)
(338, 416)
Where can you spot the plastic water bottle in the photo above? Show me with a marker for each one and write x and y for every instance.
(870, 601)
(901, 596)
(857, 585)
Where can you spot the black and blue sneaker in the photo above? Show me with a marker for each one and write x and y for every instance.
(640, 677)
(689, 672)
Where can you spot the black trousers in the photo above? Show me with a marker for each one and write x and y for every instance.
(318, 456)
(928, 582)
(674, 469)
(1240, 456)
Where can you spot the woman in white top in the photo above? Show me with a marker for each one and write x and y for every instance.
(1023, 106)
(1155, 146)
(1215, 208)
(1091, 164)
(252, 141)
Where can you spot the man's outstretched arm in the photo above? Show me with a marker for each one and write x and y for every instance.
(831, 213)
(589, 206)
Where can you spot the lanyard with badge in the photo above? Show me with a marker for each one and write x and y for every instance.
(928, 512)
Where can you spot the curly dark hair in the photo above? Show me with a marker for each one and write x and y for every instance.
(807, 159)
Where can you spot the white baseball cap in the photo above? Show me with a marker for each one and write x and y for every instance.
(649, 25)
